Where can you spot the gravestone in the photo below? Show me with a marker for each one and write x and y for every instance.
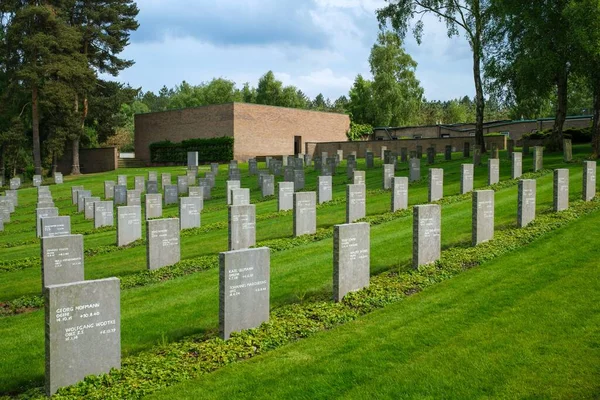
(305, 213)
(419, 152)
(134, 198)
(298, 163)
(192, 159)
(103, 214)
(466, 178)
(351, 258)
(382, 153)
(55, 226)
(356, 202)
(331, 163)
(561, 189)
(268, 185)
(495, 154)
(58, 178)
(234, 174)
(517, 165)
(567, 150)
(165, 180)
(326, 170)
(229, 186)
(299, 179)
(152, 187)
(526, 202)
(153, 176)
(13, 196)
(163, 244)
(81, 195)
(139, 183)
(129, 224)
(388, 175)
(436, 184)
(370, 160)
(285, 200)
(388, 157)
(483, 216)
(414, 169)
(171, 194)
(88, 207)
(1, 222)
(195, 191)
(153, 205)
(122, 180)
(15, 183)
(62, 260)
(589, 180)
(214, 168)
(83, 331)
(477, 155)
(205, 185)
(307, 160)
(430, 156)
(191, 177)
(448, 153)
(210, 177)
(109, 189)
(74, 190)
(42, 213)
(5, 206)
(120, 192)
(493, 171)
(182, 185)
(37, 180)
(350, 167)
(240, 197)
(189, 212)
(318, 163)
(510, 148)
(426, 234)
(252, 166)
(359, 178)
(44, 203)
(339, 155)
(538, 158)
(526, 147)
(404, 154)
(399, 193)
(244, 279)
(288, 174)
(412, 154)
(242, 227)
(324, 189)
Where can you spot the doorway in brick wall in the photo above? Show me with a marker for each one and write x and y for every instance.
(297, 144)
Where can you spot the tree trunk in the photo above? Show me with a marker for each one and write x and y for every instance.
(596, 121)
(561, 111)
(479, 100)
(54, 164)
(35, 122)
(75, 166)
(2, 165)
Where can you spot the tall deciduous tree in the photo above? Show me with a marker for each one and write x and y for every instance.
(361, 105)
(470, 16)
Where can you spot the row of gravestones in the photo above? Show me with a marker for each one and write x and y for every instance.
(37, 180)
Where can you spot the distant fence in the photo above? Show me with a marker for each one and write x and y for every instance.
(91, 160)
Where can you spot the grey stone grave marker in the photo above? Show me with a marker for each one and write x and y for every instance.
(88, 207)
(195, 191)
(240, 197)
(252, 166)
(299, 179)
(13, 196)
(134, 198)
(42, 213)
(510, 144)
(191, 177)
(298, 163)
(426, 234)
(109, 189)
(122, 180)
(55, 226)
(448, 153)
(356, 202)
(58, 178)
(318, 163)
(483, 216)
(139, 183)
(153, 205)
(526, 202)
(382, 152)
(370, 160)
(493, 171)
(404, 154)
(120, 195)
(567, 150)
(268, 185)
(561, 189)
(234, 174)
(37, 180)
(430, 155)
(307, 160)
(205, 185)
(229, 186)
(538, 158)
(15, 183)
(242, 227)
(331, 163)
(414, 169)
(5, 210)
(189, 212)
(495, 152)
(74, 190)
(388, 175)
(165, 180)
(466, 178)
(81, 195)
(288, 174)
(211, 179)
(62, 260)
(399, 193)
(419, 152)
(192, 159)
(351, 258)
(129, 224)
(171, 194)
(517, 165)
(436, 184)
(305, 213)
(163, 244)
(182, 185)
(152, 187)
(359, 177)
(285, 200)
(103, 214)
(589, 180)
(324, 189)
(477, 155)
(153, 176)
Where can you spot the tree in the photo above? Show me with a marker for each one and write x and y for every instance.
(397, 94)
(361, 105)
(471, 16)
(320, 103)
(248, 93)
(269, 89)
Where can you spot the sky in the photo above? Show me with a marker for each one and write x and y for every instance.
(319, 46)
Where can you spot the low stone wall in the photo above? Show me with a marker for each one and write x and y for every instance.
(91, 160)
(375, 146)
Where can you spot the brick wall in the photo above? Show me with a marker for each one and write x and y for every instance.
(91, 160)
(265, 130)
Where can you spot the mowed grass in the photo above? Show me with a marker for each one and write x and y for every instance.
(189, 305)
(526, 325)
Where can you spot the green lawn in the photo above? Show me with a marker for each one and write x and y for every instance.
(526, 325)
(174, 309)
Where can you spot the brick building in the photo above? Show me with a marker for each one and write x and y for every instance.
(258, 130)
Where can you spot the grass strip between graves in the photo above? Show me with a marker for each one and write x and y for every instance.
(171, 363)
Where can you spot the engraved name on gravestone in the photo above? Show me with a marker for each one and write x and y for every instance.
(240, 197)
(234, 174)
(358, 178)
(436, 184)
(206, 190)
(305, 213)
(62, 260)
(122, 180)
(153, 176)
(351, 258)
(152, 187)
(5, 206)
(182, 185)
(109, 189)
(120, 192)
(526, 202)
(242, 227)
(466, 178)
(88, 207)
(129, 224)
(83, 331)
(165, 180)
(163, 244)
(268, 185)
(13, 196)
(561, 189)
(298, 179)
(244, 279)
(103, 214)
(426, 234)
(483, 216)
(493, 171)
(15, 183)
(210, 177)
(189, 212)
(285, 200)
(517, 165)
(192, 159)
(356, 202)
(139, 183)
(324, 189)
(134, 198)
(288, 174)
(414, 169)
(55, 226)
(43, 213)
(538, 158)
(399, 193)
(589, 180)
(171, 194)
(195, 191)
(153, 205)
(37, 180)
(388, 174)
(81, 195)
(230, 185)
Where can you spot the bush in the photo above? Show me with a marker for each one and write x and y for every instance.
(209, 150)
(577, 135)
(359, 131)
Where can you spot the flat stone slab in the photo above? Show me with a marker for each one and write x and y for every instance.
(388, 174)
(43, 213)
(526, 202)
(88, 207)
(242, 227)
(62, 260)
(240, 197)
(171, 194)
(325, 189)
(483, 216)
(129, 224)
(359, 178)
(103, 214)
(414, 169)
(436, 184)
(244, 290)
(134, 198)
(268, 185)
(285, 200)
(399, 193)
(139, 183)
(81, 195)
(493, 171)
(83, 331)
(189, 212)
(109, 189)
(229, 186)
(122, 180)
(165, 179)
(305, 213)
(589, 180)
(182, 185)
(426, 234)
(356, 202)
(154, 205)
(517, 165)
(466, 178)
(351, 258)
(163, 242)
(55, 226)
(561, 189)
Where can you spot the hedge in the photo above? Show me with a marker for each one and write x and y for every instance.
(218, 149)
(582, 135)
